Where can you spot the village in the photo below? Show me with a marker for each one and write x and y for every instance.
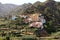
(30, 24)
(33, 20)
(37, 21)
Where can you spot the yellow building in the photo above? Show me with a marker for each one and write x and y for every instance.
(34, 17)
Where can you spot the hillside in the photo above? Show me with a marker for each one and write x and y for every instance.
(21, 8)
(6, 8)
(50, 9)
(40, 20)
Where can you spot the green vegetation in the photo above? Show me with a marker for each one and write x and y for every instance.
(17, 29)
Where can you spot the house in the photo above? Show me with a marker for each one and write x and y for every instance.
(23, 16)
(34, 17)
(37, 25)
(42, 19)
(14, 17)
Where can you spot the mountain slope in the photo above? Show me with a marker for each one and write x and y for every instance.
(49, 9)
(6, 8)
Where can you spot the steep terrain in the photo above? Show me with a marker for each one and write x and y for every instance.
(49, 9)
(21, 9)
(6, 8)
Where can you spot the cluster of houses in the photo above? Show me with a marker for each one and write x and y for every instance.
(34, 20)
